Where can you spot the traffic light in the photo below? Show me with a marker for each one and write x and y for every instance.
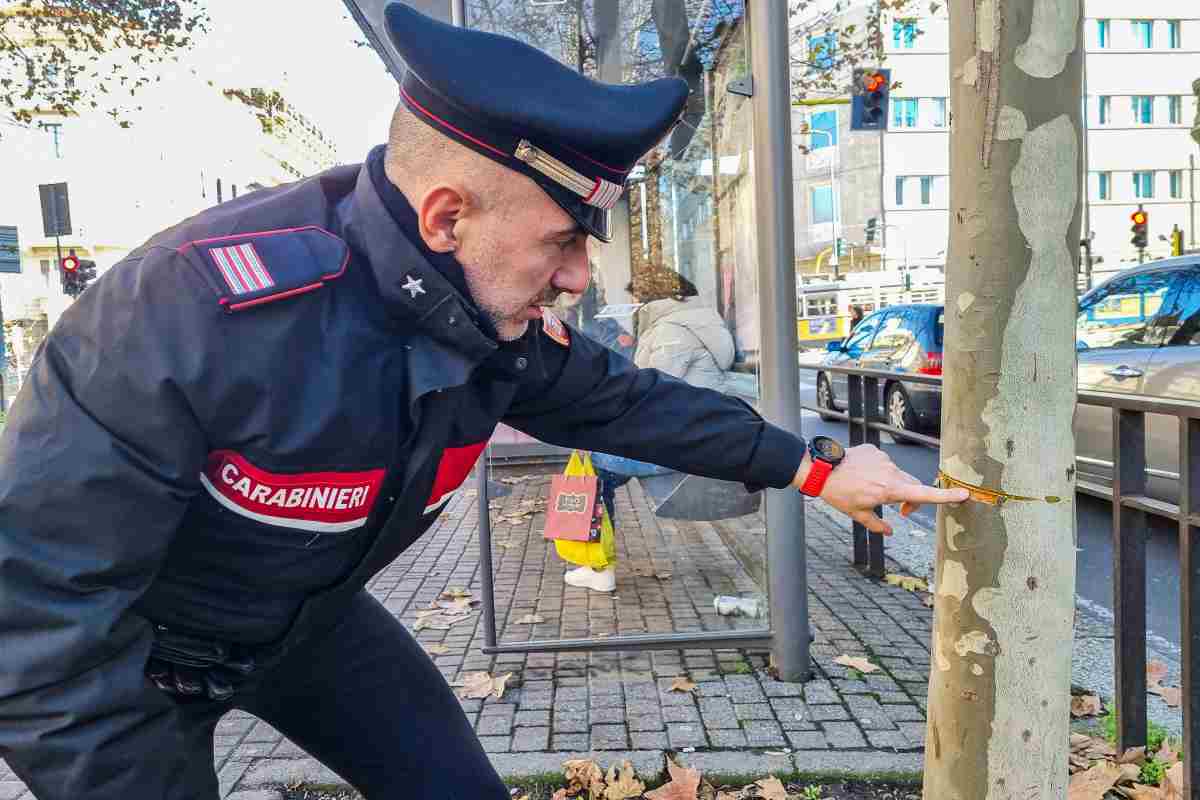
(869, 107)
(840, 247)
(1176, 241)
(872, 229)
(77, 273)
(1141, 236)
(907, 281)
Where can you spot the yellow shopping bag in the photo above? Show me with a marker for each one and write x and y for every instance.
(597, 555)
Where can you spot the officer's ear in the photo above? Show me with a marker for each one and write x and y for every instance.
(439, 211)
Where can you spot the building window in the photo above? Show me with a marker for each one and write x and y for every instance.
(1143, 185)
(1173, 34)
(1143, 110)
(823, 125)
(904, 34)
(1102, 32)
(821, 51)
(822, 204)
(1175, 109)
(56, 137)
(926, 190)
(1105, 185)
(1105, 110)
(899, 191)
(904, 112)
(939, 111)
(1176, 184)
(1143, 33)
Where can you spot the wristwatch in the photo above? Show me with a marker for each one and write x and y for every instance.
(826, 454)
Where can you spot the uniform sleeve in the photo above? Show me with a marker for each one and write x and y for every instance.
(588, 397)
(97, 463)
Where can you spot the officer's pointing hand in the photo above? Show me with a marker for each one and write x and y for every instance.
(867, 478)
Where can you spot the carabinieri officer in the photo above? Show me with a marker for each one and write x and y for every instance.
(234, 428)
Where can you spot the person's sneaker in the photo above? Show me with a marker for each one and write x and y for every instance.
(587, 578)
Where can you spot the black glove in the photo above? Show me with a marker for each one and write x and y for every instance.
(191, 666)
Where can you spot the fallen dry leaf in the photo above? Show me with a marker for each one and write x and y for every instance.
(584, 777)
(682, 684)
(1156, 671)
(622, 784)
(454, 593)
(907, 582)
(854, 662)
(1134, 755)
(438, 622)
(437, 649)
(1129, 773)
(475, 686)
(478, 685)
(1093, 784)
(729, 796)
(771, 789)
(1087, 705)
(561, 794)
(685, 782)
(530, 619)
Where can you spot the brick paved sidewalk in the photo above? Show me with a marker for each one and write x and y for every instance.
(618, 705)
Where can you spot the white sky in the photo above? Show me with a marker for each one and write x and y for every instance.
(305, 49)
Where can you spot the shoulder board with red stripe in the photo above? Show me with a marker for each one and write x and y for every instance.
(250, 269)
(554, 328)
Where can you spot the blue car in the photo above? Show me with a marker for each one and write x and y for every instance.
(906, 340)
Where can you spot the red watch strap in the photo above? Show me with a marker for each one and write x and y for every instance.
(817, 475)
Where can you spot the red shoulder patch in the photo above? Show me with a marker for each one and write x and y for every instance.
(554, 328)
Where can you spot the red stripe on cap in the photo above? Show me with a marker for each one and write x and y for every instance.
(446, 124)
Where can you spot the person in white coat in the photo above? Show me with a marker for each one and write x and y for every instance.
(678, 335)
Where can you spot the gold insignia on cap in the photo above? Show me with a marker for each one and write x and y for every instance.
(594, 191)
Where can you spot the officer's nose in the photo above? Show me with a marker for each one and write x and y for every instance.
(575, 274)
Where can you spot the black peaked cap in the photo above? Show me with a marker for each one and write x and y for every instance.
(576, 137)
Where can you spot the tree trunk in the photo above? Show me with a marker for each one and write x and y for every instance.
(999, 686)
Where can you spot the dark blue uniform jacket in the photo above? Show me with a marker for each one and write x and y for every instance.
(233, 429)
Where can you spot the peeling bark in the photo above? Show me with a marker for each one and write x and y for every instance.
(999, 689)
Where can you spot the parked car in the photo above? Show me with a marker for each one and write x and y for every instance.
(1137, 334)
(899, 339)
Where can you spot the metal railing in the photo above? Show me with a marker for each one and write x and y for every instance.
(1131, 508)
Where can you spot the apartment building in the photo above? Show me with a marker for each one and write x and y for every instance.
(1139, 110)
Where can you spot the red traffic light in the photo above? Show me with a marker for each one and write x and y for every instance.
(873, 82)
(1139, 217)
(70, 263)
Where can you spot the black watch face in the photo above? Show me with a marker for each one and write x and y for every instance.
(828, 449)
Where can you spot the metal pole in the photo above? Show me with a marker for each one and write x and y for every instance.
(458, 13)
(779, 370)
(58, 249)
(882, 210)
(485, 553)
(1192, 195)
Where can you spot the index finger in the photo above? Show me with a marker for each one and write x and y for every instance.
(920, 494)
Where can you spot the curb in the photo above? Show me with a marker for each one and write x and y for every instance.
(265, 776)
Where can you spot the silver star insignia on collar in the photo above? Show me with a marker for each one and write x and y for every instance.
(413, 285)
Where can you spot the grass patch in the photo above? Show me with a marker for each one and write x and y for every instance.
(1155, 733)
(1153, 770)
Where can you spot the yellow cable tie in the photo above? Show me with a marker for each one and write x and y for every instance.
(992, 497)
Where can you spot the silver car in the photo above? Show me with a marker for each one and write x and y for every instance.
(1139, 334)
